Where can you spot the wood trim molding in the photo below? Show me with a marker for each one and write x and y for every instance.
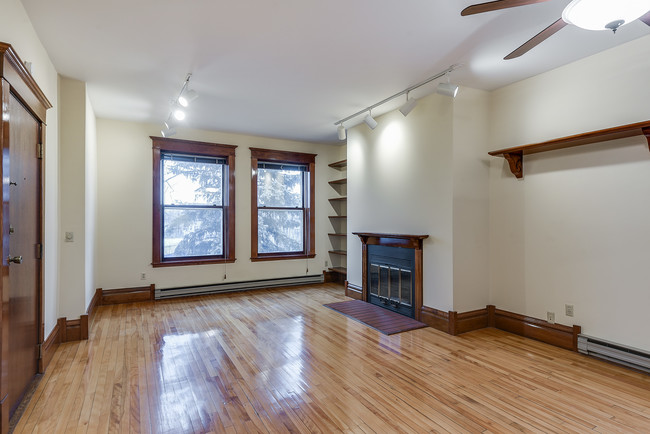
(353, 291)
(554, 334)
(514, 155)
(73, 330)
(49, 348)
(437, 319)
(127, 295)
(470, 321)
(94, 303)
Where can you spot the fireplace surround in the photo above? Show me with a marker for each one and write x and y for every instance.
(392, 271)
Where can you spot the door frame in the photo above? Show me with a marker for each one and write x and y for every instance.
(17, 81)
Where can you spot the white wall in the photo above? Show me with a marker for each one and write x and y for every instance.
(90, 197)
(400, 181)
(575, 229)
(73, 261)
(124, 186)
(17, 30)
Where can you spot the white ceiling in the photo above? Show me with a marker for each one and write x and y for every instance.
(291, 68)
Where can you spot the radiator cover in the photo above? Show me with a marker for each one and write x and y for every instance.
(613, 352)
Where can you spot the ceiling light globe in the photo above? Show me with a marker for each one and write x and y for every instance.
(604, 14)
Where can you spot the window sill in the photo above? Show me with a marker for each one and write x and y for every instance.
(281, 257)
(180, 263)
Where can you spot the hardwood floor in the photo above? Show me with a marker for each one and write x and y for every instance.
(278, 361)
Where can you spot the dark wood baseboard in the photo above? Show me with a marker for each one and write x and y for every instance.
(554, 334)
(73, 330)
(94, 304)
(353, 291)
(49, 348)
(438, 319)
(457, 323)
(127, 295)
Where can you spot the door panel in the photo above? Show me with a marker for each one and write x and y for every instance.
(24, 235)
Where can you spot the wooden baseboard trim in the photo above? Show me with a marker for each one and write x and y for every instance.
(435, 318)
(49, 348)
(468, 321)
(73, 330)
(554, 334)
(127, 295)
(94, 303)
(353, 291)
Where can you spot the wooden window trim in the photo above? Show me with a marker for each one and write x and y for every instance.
(198, 148)
(288, 157)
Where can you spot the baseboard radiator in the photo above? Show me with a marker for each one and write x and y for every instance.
(248, 285)
(617, 353)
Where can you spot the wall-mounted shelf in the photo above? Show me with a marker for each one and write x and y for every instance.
(338, 216)
(338, 199)
(339, 164)
(339, 252)
(339, 181)
(339, 270)
(514, 156)
(337, 235)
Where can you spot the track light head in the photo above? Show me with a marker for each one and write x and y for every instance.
(168, 132)
(179, 114)
(187, 97)
(370, 121)
(409, 105)
(447, 89)
(341, 131)
(169, 123)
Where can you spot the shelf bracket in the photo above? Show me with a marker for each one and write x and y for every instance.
(515, 161)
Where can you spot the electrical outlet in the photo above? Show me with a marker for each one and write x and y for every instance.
(568, 309)
(143, 276)
(69, 237)
(550, 317)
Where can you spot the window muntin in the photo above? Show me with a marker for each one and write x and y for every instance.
(193, 213)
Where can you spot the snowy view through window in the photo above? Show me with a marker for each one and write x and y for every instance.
(192, 206)
(280, 214)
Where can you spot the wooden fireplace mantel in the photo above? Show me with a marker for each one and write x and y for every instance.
(514, 156)
(393, 240)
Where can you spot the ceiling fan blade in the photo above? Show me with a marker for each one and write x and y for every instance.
(646, 18)
(496, 5)
(537, 39)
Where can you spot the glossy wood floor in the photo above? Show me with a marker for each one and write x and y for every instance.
(278, 361)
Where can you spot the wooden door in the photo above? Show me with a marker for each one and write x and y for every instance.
(24, 230)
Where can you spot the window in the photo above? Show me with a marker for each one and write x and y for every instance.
(282, 204)
(193, 202)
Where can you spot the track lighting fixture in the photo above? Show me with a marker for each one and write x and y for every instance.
(447, 89)
(409, 105)
(184, 98)
(443, 88)
(187, 97)
(341, 132)
(370, 121)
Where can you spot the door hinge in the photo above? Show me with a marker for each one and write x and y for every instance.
(39, 251)
(39, 151)
(40, 351)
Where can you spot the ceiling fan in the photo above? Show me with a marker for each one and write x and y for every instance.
(587, 14)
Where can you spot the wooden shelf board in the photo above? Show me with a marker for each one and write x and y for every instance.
(338, 199)
(340, 270)
(339, 252)
(514, 155)
(339, 181)
(337, 235)
(339, 164)
(338, 216)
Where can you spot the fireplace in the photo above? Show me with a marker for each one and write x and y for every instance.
(392, 271)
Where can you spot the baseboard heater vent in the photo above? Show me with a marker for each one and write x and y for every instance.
(237, 286)
(617, 353)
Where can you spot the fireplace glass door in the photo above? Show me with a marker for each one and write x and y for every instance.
(390, 278)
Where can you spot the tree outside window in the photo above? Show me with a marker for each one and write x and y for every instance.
(282, 203)
(193, 208)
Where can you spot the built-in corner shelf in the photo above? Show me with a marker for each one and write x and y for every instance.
(514, 156)
(339, 164)
(338, 220)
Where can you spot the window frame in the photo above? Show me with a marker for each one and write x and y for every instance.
(190, 147)
(309, 229)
